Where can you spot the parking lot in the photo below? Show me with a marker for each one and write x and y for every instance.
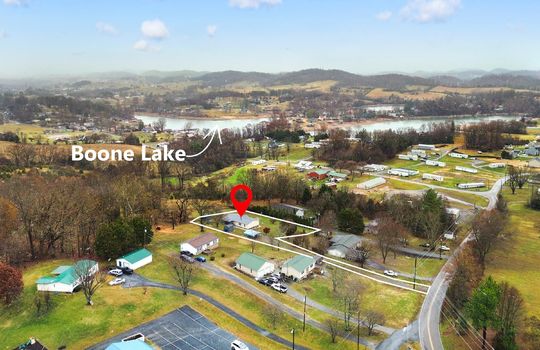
(183, 329)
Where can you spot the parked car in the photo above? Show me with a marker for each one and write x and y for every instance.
(126, 270)
(265, 281)
(117, 281)
(116, 272)
(425, 245)
(238, 345)
(279, 287)
(187, 258)
(390, 273)
(185, 252)
(200, 259)
(444, 248)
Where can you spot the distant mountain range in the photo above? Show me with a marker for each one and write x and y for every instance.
(522, 79)
(391, 81)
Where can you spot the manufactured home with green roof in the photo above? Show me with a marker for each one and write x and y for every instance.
(298, 267)
(64, 279)
(135, 259)
(254, 265)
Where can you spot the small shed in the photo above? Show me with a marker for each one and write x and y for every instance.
(135, 259)
(254, 265)
(251, 234)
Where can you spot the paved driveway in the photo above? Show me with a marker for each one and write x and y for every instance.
(182, 329)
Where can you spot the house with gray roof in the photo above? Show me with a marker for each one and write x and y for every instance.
(199, 244)
(342, 245)
(244, 221)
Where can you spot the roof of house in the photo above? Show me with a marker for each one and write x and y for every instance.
(250, 261)
(336, 174)
(68, 275)
(31, 344)
(60, 269)
(344, 243)
(201, 240)
(251, 233)
(136, 255)
(288, 206)
(319, 172)
(244, 219)
(299, 262)
(130, 345)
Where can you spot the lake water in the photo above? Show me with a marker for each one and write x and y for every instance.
(180, 123)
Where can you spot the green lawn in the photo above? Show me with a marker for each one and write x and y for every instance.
(72, 323)
(516, 259)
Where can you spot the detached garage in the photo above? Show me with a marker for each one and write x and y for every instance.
(135, 259)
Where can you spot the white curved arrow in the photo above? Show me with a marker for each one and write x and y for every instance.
(213, 132)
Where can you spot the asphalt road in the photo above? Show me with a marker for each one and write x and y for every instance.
(430, 313)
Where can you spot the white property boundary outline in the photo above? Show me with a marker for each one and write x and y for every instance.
(330, 261)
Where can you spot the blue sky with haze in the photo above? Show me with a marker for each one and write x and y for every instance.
(49, 37)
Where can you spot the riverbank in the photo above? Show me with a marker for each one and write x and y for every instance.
(206, 117)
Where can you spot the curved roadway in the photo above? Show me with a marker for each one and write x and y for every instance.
(430, 313)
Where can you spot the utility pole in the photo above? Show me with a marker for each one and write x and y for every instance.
(144, 238)
(414, 279)
(304, 325)
(358, 331)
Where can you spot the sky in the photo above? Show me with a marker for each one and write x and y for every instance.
(41, 38)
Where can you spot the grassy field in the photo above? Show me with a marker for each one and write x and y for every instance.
(399, 307)
(515, 259)
(72, 323)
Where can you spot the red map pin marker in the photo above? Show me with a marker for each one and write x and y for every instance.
(241, 207)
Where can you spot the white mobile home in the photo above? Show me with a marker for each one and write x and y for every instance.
(367, 185)
(419, 152)
(467, 170)
(403, 172)
(426, 147)
(427, 176)
(254, 265)
(458, 155)
(374, 168)
(65, 279)
(408, 156)
(471, 185)
(135, 259)
(497, 165)
(435, 163)
(200, 243)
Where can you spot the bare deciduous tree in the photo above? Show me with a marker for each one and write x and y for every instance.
(388, 235)
(374, 318)
(273, 315)
(486, 228)
(183, 272)
(333, 327)
(89, 277)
